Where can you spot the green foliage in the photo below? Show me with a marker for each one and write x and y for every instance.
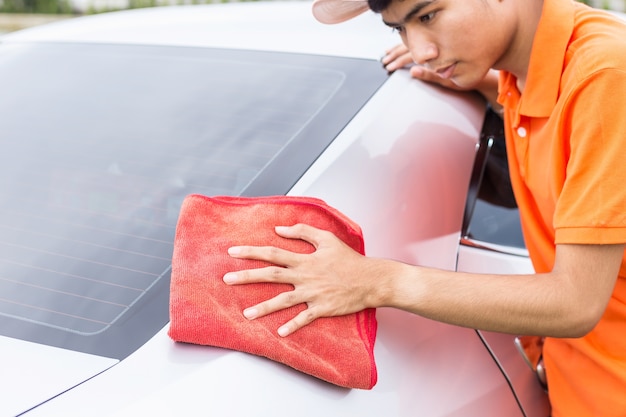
(137, 4)
(35, 6)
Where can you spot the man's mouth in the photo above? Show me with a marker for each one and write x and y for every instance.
(446, 72)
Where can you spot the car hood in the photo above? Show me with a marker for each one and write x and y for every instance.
(42, 371)
(169, 379)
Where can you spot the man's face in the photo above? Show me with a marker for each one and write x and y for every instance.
(460, 40)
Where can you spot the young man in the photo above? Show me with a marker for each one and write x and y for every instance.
(562, 86)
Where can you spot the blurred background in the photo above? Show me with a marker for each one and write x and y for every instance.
(19, 14)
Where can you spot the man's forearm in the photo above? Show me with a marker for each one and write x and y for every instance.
(566, 302)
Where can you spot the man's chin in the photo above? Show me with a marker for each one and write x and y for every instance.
(464, 83)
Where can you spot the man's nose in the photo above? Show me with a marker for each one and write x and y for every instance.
(422, 50)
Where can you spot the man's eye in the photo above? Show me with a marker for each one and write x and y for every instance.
(427, 17)
(398, 29)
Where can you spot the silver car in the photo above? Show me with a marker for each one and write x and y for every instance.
(107, 122)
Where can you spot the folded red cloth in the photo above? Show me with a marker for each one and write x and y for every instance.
(206, 311)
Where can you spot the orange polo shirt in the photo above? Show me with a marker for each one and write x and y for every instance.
(566, 140)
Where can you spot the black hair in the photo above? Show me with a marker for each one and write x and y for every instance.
(378, 5)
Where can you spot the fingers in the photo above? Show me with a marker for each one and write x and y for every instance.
(304, 318)
(280, 302)
(394, 53)
(396, 58)
(269, 254)
(273, 274)
(277, 256)
(399, 62)
(283, 259)
(424, 74)
(304, 232)
(290, 268)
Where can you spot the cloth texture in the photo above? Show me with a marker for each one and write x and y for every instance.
(206, 311)
(566, 141)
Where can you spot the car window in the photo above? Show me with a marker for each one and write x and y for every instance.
(491, 213)
(102, 142)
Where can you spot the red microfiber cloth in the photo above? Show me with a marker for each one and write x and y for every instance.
(206, 311)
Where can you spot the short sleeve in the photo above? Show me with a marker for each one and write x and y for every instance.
(591, 208)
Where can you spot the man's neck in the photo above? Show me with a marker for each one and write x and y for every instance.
(529, 12)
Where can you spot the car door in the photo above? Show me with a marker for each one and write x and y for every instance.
(492, 242)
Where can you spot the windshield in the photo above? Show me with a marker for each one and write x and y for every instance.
(101, 143)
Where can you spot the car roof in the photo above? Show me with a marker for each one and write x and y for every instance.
(259, 26)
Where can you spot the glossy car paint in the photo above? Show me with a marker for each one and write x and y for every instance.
(400, 169)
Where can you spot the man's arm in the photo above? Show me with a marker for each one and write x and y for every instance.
(566, 302)
(335, 280)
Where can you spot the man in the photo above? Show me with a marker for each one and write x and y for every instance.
(562, 85)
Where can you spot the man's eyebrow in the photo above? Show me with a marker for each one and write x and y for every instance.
(417, 7)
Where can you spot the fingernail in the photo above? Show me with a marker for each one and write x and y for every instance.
(283, 331)
(230, 277)
(250, 313)
(234, 250)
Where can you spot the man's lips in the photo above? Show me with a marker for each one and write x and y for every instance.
(446, 72)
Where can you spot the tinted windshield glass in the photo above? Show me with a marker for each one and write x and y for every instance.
(102, 143)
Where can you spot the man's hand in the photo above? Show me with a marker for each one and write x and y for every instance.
(396, 58)
(400, 57)
(331, 281)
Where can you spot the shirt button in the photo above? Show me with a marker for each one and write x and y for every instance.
(521, 132)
